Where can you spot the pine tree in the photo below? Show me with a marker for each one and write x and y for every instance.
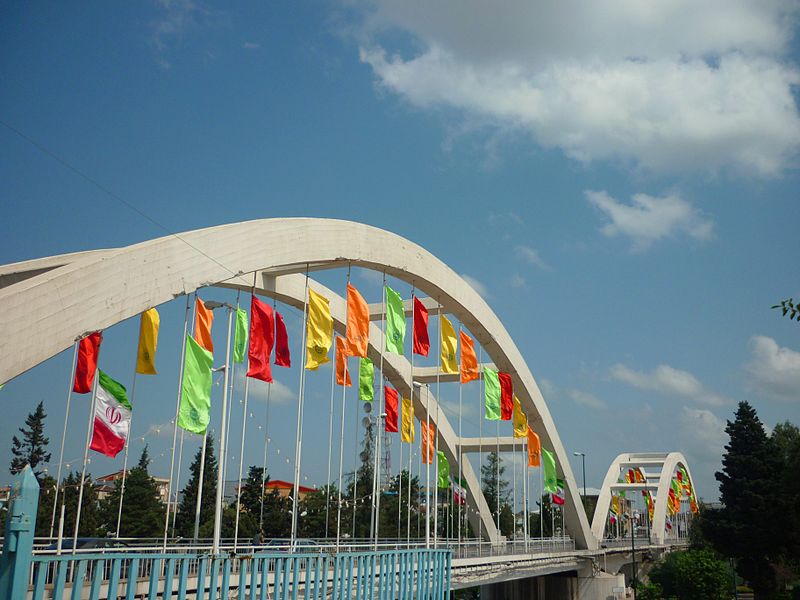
(361, 482)
(184, 523)
(277, 515)
(142, 510)
(311, 522)
(47, 491)
(90, 517)
(253, 491)
(746, 527)
(495, 490)
(32, 449)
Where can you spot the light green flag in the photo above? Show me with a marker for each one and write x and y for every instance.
(240, 337)
(395, 322)
(442, 470)
(491, 387)
(550, 477)
(194, 414)
(366, 378)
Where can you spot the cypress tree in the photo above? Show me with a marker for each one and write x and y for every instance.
(32, 449)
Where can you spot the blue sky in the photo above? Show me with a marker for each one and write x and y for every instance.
(620, 184)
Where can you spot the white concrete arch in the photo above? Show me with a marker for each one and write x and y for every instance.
(659, 469)
(100, 289)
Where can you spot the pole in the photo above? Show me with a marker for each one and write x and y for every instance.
(177, 483)
(298, 447)
(436, 441)
(341, 462)
(460, 456)
(330, 445)
(264, 468)
(175, 422)
(89, 430)
(241, 463)
(230, 404)
(514, 486)
(481, 417)
(64, 435)
(222, 442)
(125, 461)
(200, 483)
(376, 472)
(633, 551)
(411, 444)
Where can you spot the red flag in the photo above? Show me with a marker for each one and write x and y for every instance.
(506, 396)
(88, 351)
(391, 409)
(262, 335)
(342, 352)
(282, 356)
(421, 342)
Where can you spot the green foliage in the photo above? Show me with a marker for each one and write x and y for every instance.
(315, 509)
(648, 591)
(356, 521)
(44, 514)
(277, 516)
(184, 522)
(691, 575)
(253, 492)
(32, 449)
(788, 307)
(495, 490)
(90, 517)
(390, 526)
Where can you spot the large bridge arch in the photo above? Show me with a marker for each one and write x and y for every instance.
(95, 290)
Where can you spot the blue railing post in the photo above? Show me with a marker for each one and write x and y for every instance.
(15, 563)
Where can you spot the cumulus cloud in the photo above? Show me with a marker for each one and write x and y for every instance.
(774, 370)
(586, 399)
(259, 390)
(531, 256)
(669, 380)
(703, 435)
(476, 285)
(668, 86)
(649, 219)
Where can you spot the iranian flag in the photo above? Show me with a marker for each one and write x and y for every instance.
(459, 493)
(557, 497)
(112, 417)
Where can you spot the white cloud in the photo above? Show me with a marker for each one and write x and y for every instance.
(774, 370)
(668, 380)
(531, 256)
(703, 436)
(649, 219)
(586, 399)
(476, 285)
(251, 45)
(667, 86)
(518, 281)
(259, 390)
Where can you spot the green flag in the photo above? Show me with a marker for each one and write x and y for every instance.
(442, 470)
(240, 337)
(366, 378)
(491, 387)
(550, 477)
(195, 407)
(395, 322)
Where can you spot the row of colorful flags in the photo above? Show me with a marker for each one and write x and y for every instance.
(680, 485)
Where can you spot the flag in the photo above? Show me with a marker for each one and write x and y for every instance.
(534, 449)
(395, 322)
(428, 441)
(407, 421)
(319, 334)
(469, 362)
(629, 476)
(195, 407)
(421, 342)
(449, 346)
(203, 319)
(240, 336)
(506, 396)
(148, 340)
(550, 478)
(366, 378)
(558, 496)
(342, 372)
(671, 502)
(86, 365)
(442, 470)
(112, 417)
(262, 335)
(614, 505)
(357, 323)
(459, 493)
(639, 476)
(283, 357)
(693, 506)
(390, 403)
(520, 420)
(491, 394)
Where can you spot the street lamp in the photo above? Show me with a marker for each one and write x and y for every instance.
(583, 465)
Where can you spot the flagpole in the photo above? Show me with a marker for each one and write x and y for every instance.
(497, 474)
(264, 468)
(175, 422)
(330, 436)
(525, 475)
(298, 442)
(201, 481)
(89, 432)
(460, 403)
(177, 482)
(64, 435)
(241, 462)
(481, 417)
(427, 466)
(436, 441)
(223, 442)
(541, 495)
(514, 486)
(411, 442)
(230, 408)
(341, 435)
(125, 461)
(376, 504)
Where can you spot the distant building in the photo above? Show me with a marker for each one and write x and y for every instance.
(105, 485)
(284, 488)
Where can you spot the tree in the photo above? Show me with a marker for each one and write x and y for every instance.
(142, 510)
(495, 490)
(47, 491)
(277, 515)
(314, 509)
(90, 518)
(356, 518)
(253, 492)
(747, 527)
(691, 575)
(32, 449)
(184, 521)
(786, 441)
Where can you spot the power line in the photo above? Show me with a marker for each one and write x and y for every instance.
(63, 162)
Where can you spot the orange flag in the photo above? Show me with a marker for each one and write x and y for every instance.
(203, 320)
(428, 441)
(342, 372)
(534, 449)
(357, 323)
(469, 362)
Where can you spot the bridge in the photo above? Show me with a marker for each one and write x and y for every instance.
(76, 294)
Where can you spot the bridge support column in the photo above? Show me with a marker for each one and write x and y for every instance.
(599, 585)
(549, 587)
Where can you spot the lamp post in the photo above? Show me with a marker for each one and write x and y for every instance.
(583, 467)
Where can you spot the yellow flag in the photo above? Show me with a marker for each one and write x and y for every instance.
(615, 504)
(408, 421)
(148, 340)
(319, 336)
(520, 420)
(449, 345)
